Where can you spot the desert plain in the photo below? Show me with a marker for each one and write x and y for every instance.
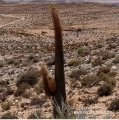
(91, 54)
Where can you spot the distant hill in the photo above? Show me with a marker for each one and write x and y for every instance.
(62, 1)
(57, 1)
(1, 1)
(39, 1)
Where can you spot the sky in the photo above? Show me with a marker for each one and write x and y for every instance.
(100, 1)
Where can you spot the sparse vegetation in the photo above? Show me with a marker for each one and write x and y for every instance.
(1, 63)
(104, 70)
(83, 51)
(9, 91)
(77, 73)
(21, 89)
(88, 101)
(90, 81)
(116, 60)
(97, 62)
(39, 88)
(10, 61)
(108, 55)
(9, 116)
(70, 112)
(30, 78)
(35, 115)
(31, 56)
(91, 59)
(112, 74)
(36, 101)
(4, 83)
(114, 105)
(6, 105)
(26, 94)
(107, 78)
(105, 90)
(74, 63)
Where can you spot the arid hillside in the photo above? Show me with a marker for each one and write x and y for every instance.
(91, 53)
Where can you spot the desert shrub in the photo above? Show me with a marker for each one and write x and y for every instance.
(107, 78)
(90, 81)
(114, 105)
(6, 106)
(112, 74)
(51, 61)
(31, 56)
(99, 45)
(103, 77)
(97, 62)
(70, 112)
(80, 51)
(9, 116)
(4, 83)
(1, 64)
(17, 62)
(35, 115)
(21, 89)
(104, 70)
(108, 55)
(36, 101)
(30, 78)
(112, 82)
(3, 97)
(105, 89)
(35, 60)
(90, 100)
(83, 51)
(74, 63)
(2, 32)
(24, 105)
(74, 84)
(10, 61)
(18, 92)
(39, 87)
(116, 60)
(9, 91)
(77, 73)
(26, 94)
(112, 46)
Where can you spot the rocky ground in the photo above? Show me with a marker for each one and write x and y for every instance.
(91, 59)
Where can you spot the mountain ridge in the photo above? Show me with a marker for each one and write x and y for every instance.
(63, 1)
